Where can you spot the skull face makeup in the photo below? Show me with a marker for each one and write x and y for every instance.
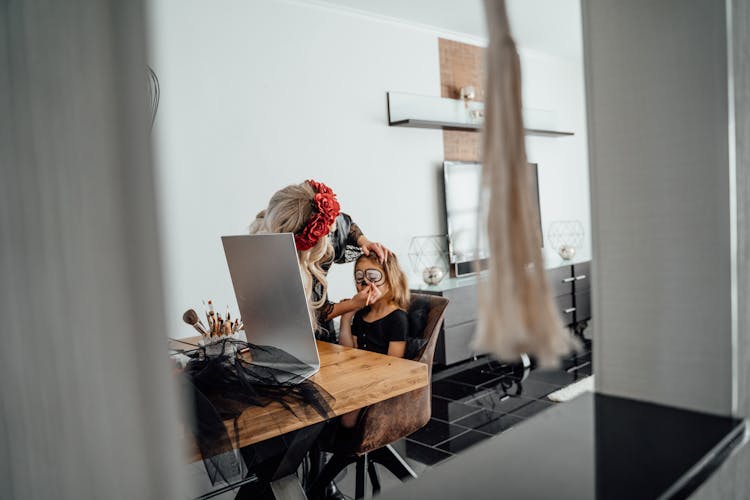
(364, 276)
(390, 284)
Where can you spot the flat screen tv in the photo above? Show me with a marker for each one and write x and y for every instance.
(462, 203)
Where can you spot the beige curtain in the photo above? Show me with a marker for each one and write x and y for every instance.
(87, 404)
(517, 313)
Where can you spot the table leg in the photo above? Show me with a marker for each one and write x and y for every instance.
(297, 446)
(276, 461)
(360, 478)
(288, 488)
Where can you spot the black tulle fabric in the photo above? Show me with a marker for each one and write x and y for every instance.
(222, 386)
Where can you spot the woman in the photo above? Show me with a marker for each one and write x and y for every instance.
(323, 235)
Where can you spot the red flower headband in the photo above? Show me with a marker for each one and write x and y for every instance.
(325, 210)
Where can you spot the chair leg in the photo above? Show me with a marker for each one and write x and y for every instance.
(315, 459)
(359, 480)
(388, 458)
(374, 479)
(335, 465)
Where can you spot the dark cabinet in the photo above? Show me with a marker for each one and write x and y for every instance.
(462, 305)
(583, 306)
(561, 280)
(571, 287)
(582, 294)
(460, 325)
(567, 308)
(457, 341)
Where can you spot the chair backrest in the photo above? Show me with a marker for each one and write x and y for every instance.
(395, 418)
(434, 306)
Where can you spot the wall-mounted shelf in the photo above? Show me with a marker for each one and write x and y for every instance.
(418, 111)
(469, 127)
(410, 122)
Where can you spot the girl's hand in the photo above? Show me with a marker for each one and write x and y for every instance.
(378, 249)
(347, 317)
(345, 330)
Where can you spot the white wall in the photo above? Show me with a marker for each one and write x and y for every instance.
(551, 83)
(257, 95)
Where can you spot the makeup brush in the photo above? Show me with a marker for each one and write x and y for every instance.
(205, 312)
(212, 314)
(199, 321)
(191, 318)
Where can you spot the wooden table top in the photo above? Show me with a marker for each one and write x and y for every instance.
(354, 377)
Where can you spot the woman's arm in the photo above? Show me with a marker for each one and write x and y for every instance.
(345, 336)
(397, 348)
(354, 304)
(345, 306)
(349, 233)
(344, 240)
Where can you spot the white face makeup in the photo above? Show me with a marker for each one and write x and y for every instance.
(364, 276)
(366, 273)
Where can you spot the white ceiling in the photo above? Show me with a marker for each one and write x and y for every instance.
(551, 26)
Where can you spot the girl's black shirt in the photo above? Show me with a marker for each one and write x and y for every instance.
(375, 336)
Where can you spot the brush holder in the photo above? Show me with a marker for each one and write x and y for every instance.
(220, 346)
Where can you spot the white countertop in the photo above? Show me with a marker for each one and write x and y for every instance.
(551, 261)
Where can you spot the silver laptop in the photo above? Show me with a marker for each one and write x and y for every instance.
(271, 297)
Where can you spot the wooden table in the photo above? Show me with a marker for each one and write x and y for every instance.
(353, 377)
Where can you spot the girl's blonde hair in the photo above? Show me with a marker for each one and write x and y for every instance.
(288, 212)
(398, 284)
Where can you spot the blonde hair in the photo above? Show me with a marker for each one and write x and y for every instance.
(398, 284)
(288, 211)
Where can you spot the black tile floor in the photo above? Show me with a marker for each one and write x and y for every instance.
(489, 399)
(476, 404)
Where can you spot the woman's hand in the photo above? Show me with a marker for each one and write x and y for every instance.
(363, 298)
(378, 249)
(367, 296)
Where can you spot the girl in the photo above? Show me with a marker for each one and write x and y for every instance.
(381, 326)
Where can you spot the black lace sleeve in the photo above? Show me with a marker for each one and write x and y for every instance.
(324, 311)
(344, 240)
(354, 234)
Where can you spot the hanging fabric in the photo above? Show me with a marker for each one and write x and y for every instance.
(517, 312)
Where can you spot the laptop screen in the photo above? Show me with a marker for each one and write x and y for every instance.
(270, 294)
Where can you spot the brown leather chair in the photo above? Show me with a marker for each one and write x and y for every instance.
(383, 423)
